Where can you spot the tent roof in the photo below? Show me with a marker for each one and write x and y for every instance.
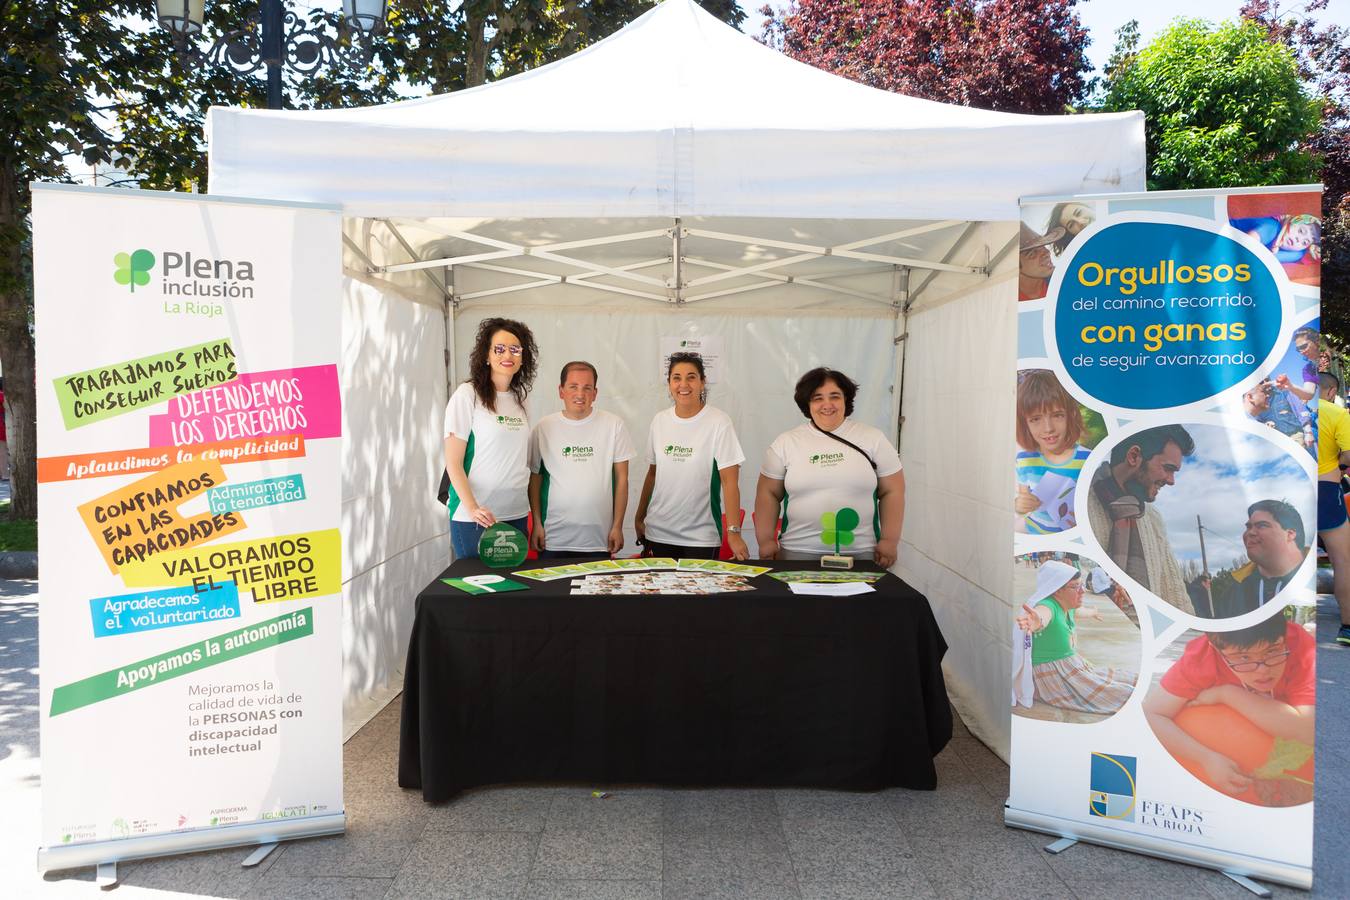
(676, 114)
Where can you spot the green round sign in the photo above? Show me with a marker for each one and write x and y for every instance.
(502, 546)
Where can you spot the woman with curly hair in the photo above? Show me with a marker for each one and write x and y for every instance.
(487, 435)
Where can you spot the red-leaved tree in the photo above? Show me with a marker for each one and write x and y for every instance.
(1010, 55)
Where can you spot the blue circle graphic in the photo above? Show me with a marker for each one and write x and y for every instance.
(1151, 315)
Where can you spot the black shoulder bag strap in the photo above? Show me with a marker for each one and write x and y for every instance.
(831, 434)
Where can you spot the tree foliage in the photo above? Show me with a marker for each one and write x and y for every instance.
(1323, 56)
(1011, 55)
(96, 82)
(1224, 107)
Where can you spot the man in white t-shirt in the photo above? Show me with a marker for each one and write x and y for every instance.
(579, 472)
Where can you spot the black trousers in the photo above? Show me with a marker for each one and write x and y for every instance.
(675, 551)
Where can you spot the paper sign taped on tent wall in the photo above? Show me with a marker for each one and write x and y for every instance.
(141, 520)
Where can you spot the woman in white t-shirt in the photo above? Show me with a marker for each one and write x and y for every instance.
(487, 435)
(817, 470)
(680, 512)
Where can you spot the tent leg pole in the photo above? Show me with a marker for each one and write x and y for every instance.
(900, 300)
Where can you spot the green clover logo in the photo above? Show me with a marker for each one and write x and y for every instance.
(815, 458)
(501, 419)
(670, 448)
(567, 451)
(837, 527)
(65, 839)
(214, 820)
(134, 268)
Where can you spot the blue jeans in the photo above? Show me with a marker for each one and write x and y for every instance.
(464, 536)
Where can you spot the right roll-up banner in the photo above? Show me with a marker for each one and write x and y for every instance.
(1165, 526)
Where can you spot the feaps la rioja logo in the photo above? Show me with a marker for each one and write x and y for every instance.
(133, 268)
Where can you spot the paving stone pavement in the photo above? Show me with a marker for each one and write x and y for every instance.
(557, 842)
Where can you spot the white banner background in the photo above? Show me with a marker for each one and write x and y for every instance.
(130, 766)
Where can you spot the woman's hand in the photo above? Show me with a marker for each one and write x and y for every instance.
(1026, 501)
(640, 526)
(483, 516)
(738, 548)
(537, 539)
(768, 549)
(886, 552)
(615, 539)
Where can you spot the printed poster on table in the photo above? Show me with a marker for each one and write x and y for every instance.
(1165, 525)
(189, 425)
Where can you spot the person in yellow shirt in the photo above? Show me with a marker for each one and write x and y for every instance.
(1333, 451)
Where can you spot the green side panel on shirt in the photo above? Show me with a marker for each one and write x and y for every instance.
(783, 524)
(544, 482)
(453, 503)
(876, 513)
(715, 498)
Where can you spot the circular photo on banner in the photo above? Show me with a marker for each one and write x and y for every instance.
(1215, 519)
(1055, 434)
(1156, 311)
(1236, 708)
(1075, 639)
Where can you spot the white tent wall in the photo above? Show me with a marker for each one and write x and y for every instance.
(765, 351)
(957, 446)
(393, 382)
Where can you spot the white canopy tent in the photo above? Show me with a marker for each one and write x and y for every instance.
(679, 180)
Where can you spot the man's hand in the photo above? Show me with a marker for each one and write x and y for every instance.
(768, 549)
(1225, 775)
(886, 552)
(537, 538)
(615, 539)
(1212, 696)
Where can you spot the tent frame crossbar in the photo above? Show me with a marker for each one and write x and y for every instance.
(675, 285)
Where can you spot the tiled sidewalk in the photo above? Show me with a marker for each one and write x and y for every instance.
(645, 842)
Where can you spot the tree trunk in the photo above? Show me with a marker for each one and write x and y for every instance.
(16, 347)
(476, 66)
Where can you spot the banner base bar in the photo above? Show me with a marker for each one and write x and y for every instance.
(105, 876)
(258, 855)
(1259, 890)
(1230, 864)
(1060, 845)
(101, 853)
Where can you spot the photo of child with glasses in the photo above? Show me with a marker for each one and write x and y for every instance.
(1236, 710)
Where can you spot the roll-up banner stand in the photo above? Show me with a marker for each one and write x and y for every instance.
(189, 429)
(1166, 523)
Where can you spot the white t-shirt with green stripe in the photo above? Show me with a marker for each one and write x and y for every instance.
(497, 456)
(575, 461)
(821, 475)
(686, 504)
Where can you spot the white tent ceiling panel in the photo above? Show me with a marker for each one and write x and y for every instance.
(675, 115)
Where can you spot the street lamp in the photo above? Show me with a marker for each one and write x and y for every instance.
(277, 39)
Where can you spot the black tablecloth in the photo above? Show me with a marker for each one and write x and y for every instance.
(755, 688)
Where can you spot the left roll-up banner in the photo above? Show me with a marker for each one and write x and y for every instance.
(189, 431)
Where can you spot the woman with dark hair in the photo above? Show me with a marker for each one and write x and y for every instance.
(691, 447)
(487, 435)
(828, 464)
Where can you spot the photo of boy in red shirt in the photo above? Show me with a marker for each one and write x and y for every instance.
(1237, 710)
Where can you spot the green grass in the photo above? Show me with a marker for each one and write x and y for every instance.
(16, 534)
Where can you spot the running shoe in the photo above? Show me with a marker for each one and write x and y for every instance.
(1343, 636)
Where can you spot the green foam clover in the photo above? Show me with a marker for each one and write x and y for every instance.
(837, 527)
